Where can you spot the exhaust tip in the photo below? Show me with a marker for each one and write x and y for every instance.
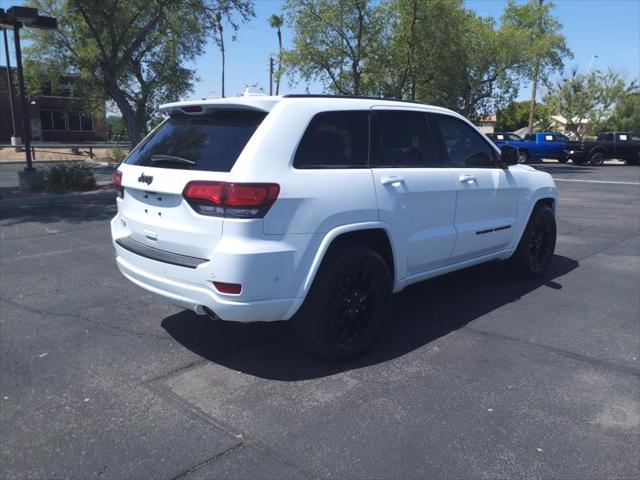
(210, 313)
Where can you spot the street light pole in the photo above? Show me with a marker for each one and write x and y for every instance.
(26, 122)
(9, 80)
(15, 18)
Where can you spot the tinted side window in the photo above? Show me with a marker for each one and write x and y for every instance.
(607, 137)
(558, 137)
(515, 138)
(401, 139)
(464, 147)
(335, 140)
(530, 138)
(201, 142)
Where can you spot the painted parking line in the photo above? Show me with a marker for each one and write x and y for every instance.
(611, 182)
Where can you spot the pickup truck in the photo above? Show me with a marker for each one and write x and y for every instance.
(539, 146)
(501, 138)
(621, 145)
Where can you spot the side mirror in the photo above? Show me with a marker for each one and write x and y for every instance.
(508, 156)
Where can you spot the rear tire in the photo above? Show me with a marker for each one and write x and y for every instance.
(535, 250)
(348, 301)
(597, 159)
(523, 156)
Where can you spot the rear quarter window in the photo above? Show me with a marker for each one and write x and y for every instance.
(209, 142)
(337, 139)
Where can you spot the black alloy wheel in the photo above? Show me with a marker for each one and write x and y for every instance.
(542, 243)
(355, 303)
(347, 304)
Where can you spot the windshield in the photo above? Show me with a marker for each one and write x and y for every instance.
(209, 142)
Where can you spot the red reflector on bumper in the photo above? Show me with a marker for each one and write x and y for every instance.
(229, 288)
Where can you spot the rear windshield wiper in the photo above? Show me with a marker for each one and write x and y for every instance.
(161, 158)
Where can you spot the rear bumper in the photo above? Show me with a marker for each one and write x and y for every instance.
(574, 153)
(195, 297)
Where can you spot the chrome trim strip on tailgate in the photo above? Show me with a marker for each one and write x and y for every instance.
(160, 255)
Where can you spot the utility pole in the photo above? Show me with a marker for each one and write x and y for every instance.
(9, 82)
(593, 59)
(270, 75)
(534, 85)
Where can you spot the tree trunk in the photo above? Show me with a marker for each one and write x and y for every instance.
(532, 106)
(129, 116)
(279, 62)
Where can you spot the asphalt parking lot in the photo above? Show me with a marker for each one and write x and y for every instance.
(478, 374)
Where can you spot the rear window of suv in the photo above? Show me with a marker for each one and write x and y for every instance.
(209, 142)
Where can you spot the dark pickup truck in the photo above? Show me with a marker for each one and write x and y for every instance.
(620, 145)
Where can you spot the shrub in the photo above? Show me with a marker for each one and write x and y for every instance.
(116, 155)
(69, 177)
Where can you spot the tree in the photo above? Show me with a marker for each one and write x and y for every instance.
(546, 47)
(516, 116)
(131, 52)
(586, 100)
(433, 51)
(444, 54)
(117, 129)
(276, 21)
(626, 114)
(333, 42)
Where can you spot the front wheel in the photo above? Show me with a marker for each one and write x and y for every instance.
(535, 250)
(597, 159)
(348, 301)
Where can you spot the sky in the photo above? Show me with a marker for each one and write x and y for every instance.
(609, 29)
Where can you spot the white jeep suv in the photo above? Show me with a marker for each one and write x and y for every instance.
(318, 208)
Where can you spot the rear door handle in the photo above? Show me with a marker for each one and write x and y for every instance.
(467, 178)
(393, 180)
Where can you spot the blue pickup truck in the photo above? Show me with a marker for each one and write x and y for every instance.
(536, 145)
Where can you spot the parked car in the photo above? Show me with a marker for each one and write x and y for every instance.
(318, 208)
(620, 145)
(541, 145)
(502, 138)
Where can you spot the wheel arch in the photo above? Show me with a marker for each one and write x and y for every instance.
(544, 196)
(375, 235)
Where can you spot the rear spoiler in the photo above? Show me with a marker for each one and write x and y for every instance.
(201, 107)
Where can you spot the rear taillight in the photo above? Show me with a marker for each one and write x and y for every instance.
(117, 182)
(231, 200)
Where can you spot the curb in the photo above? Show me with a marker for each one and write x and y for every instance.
(63, 199)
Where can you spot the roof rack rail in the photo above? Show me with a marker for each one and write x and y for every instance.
(362, 97)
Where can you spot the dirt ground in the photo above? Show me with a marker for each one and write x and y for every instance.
(45, 154)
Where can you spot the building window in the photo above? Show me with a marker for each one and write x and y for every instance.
(45, 120)
(86, 122)
(74, 121)
(52, 120)
(60, 121)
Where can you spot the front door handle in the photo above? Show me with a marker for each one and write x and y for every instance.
(393, 180)
(467, 178)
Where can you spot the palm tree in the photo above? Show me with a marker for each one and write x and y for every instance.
(217, 19)
(276, 21)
